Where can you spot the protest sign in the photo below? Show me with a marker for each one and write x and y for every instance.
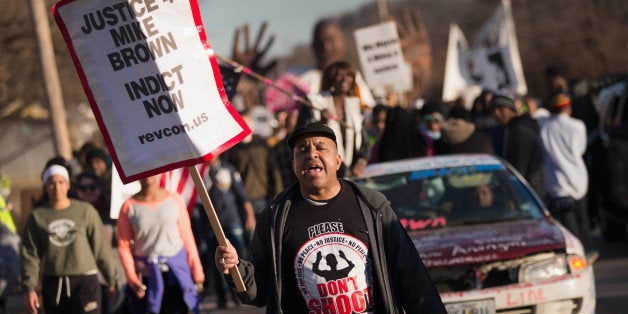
(154, 86)
(180, 181)
(120, 192)
(382, 60)
(152, 81)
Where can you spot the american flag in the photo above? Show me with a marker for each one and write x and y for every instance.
(180, 181)
(230, 80)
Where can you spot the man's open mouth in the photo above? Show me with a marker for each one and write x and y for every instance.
(313, 170)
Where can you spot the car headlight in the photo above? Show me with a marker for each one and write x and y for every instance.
(543, 270)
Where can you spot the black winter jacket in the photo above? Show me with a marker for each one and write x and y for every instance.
(461, 137)
(403, 280)
(524, 151)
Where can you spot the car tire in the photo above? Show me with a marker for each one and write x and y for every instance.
(613, 231)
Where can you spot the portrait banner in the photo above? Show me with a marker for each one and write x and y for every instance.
(152, 81)
(496, 52)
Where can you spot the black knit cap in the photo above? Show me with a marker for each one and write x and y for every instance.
(503, 101)
(315, 128)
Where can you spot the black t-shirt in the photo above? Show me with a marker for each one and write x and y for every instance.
(326, 260)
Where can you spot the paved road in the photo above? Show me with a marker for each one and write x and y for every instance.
(611, 279)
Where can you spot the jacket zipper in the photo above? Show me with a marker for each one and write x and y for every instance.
(385, 289)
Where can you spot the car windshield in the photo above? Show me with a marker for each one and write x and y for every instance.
(436, 198)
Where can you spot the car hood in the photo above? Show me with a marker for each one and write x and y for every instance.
(485, 243)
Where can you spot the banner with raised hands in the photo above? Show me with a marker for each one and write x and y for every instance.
(152, 81)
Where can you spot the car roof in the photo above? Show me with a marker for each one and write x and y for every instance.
(432, 162)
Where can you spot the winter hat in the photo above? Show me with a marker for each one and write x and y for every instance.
(459, 112)
(55, 170)
(430, 107)
(503, 101)
(560, 101)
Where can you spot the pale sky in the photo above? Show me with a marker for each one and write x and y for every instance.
(291, 21)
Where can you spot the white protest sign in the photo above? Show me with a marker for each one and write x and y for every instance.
(381, 58)
(120, 192)
(152, 80)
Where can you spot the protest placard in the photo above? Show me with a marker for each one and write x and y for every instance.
(120, 192)
(382, 60)
(152, 81)
(154, 86)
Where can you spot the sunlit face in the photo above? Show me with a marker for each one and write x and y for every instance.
(484, 196)
(343, 82)
(315, 162)
(88, 190)
(57, 188)
(332, 46)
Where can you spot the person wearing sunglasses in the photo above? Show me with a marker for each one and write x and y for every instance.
(89, 189)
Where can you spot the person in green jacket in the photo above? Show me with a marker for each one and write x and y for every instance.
(64, 240)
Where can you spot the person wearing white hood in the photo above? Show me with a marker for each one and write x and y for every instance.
(64, 241)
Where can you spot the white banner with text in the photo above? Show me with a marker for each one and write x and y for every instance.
(382, 60)
(152, 80)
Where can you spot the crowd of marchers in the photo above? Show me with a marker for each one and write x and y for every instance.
(296, 167)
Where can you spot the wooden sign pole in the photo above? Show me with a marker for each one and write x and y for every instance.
(215, 223)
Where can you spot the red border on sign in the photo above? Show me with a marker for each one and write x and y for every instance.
(101, 125)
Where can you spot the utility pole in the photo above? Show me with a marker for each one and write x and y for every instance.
(52, 86)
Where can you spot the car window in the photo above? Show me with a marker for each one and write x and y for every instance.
(443, 197)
